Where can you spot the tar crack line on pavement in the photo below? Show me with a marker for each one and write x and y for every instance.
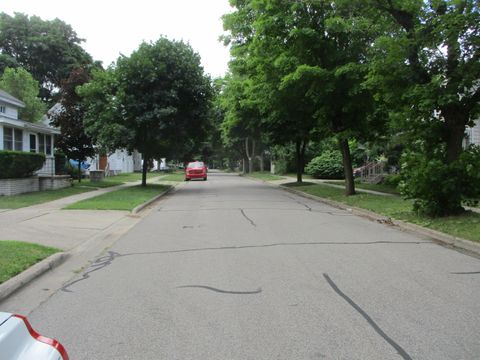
(246, 217)
(370, 321)
(259, 290)
(465, 273)
(107, 260)
(99, 264)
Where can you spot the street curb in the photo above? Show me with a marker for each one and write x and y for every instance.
(438, 236)
(142, 206)
(26, 276)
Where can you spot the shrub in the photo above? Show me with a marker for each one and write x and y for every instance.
(19, 164)
(439, 188)
(326, 166)
(392, 180)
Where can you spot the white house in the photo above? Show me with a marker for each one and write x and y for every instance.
(473, 134)
(20, 135)
(118, 162)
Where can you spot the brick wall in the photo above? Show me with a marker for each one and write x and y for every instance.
(54, 182)
(18, 186)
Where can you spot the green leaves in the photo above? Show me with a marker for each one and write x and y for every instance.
(156, 101)
(20, 83)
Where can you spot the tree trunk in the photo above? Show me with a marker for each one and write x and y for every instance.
(144, 170)
(347, 167)
(250, 155)
(454, 135)
(262, 167)
(299, 160)
(79, 171)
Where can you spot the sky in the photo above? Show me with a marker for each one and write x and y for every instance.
(118, 27)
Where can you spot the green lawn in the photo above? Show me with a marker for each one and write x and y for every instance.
(304, 176)
(16, 256)
(466, 226)
(265, 176)
(97, 184)
(128, 177)
(39, 197)
(176, 176)
(123, 199)
(375, 187)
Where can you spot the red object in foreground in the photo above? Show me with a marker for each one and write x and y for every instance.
(19, 341)
(52, 342)
(196, 170)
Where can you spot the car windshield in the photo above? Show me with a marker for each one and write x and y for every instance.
(196, 165)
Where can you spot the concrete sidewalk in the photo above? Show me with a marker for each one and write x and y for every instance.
(47, 224)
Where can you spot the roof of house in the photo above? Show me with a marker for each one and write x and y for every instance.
(9, 99)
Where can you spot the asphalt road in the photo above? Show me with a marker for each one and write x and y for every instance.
(235, 269)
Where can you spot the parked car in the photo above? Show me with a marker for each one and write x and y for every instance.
(18, 341)
(196, 170)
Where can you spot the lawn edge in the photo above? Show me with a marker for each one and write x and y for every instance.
(142, 206)
(25, 277)
(440, 237)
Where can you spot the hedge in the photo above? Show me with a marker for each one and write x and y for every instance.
(19, 164)
(326, 166)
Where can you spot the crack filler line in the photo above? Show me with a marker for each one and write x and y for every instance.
(259, 290)
(246, 217)
(370, 321)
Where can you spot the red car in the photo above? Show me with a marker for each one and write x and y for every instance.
(196, 170)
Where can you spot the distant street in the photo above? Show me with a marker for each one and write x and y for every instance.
(233, 268)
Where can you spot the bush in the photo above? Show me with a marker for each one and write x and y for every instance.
(392, 180)
(326, 166)
(19, 164)
(438, 188)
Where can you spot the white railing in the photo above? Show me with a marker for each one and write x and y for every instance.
(373, 172)
(48, 168)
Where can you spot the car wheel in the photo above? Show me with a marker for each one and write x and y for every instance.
(204, 179)
(187, 179)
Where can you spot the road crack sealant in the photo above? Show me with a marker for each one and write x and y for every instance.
(258, 291)
(369, 320)
(108, 259)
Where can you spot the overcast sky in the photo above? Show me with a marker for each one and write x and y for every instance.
(114, 27)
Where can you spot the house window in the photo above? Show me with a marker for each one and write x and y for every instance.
(41, 143)
(2, 109)
(48, 144)
(18, 139)
(12, 139)
(33, 143)
(7, 138)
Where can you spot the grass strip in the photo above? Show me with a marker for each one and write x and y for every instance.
(122, 199)
(466, 226)
(39, 197)
(265, 176)
(97, 184)
(16, 256)
(174, 177)
(374, 187)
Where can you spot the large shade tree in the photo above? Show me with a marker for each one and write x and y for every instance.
(426, 68)
(69, 115)
(156, 101)
(307, 61)
(48, 49)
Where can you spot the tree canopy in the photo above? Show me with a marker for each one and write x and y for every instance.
(20, 83)
(69, 117)
(48, 49)
(156, 101)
